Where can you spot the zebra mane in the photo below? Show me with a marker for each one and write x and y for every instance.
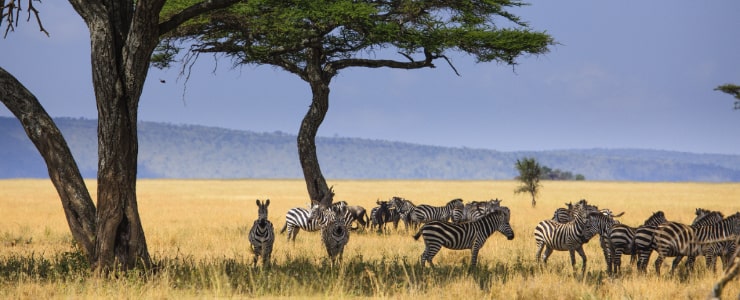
(708, 218)
(657, 218)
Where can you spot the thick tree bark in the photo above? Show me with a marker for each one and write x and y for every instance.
(123, 35)
(63, 171)
(318, 190)
(315, 181)
(122, 38)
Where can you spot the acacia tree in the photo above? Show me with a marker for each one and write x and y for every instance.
(530, 172)
(731, 89)
(316, 39)
(123, 36)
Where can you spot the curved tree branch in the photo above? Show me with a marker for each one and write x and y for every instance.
(63, 171)
(191, 12)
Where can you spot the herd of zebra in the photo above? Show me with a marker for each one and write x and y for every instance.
(471, 225)
(459, 225)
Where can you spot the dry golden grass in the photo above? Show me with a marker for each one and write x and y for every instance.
(207, 220)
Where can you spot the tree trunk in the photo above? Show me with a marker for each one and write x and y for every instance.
(318, 190)
(315, 182)
(63, 171)
(122, 38)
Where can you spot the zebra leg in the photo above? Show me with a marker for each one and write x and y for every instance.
(295, 232)
(548, 252)
(474, 255)
(643, 259)
(658, 263)
(256, 251)
(711, 262)
(676, 261)
(538, 256)
(266, 256)
(572, 258)
(583, 257)
(617, 261)
(429, 252)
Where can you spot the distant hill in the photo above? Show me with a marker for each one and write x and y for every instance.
(188, 151)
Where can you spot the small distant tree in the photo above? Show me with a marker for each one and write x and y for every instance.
(530, 172)
(731, 89)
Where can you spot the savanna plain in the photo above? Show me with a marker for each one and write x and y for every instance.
(197, 235)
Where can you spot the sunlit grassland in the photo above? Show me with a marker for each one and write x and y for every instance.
(196, 232)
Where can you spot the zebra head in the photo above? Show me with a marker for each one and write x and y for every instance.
(455, 204)
(262, 210)
(656, 219)
(598, 223)
(700, 212)
(501, 222)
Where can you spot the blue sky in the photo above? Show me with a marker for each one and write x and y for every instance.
(627, 74)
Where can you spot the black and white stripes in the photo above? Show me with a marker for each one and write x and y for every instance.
(551, 235)
(427, 213)
(472, 235)
(262, 234)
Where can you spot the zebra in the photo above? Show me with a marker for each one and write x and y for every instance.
(405, 209)
(723, 249)
(621, 240)
(563, 215)
(551, 235)
(477, 209)
(602, 225)
(427, 213)
(644, 243)
(472, 235)
(673, 239)
(262, 234)
(335, 231)
(299, 218)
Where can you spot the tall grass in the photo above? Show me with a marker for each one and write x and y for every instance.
(196, 232)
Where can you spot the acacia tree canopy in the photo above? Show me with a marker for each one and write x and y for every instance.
(317, 39)
(731, 89)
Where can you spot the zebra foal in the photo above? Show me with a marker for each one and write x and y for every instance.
(472, 235)
(262, 234)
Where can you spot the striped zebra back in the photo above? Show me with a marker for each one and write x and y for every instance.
(470, 235)
(478, 209)
(674, 239)
(427, 213)
(727, 228)
(300, 217)
(705, 217)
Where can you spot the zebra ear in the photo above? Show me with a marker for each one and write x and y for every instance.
(258, 202)
(267, 202)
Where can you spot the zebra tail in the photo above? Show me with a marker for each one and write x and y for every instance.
(417, 235)
(366, 218)
(284, 227)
